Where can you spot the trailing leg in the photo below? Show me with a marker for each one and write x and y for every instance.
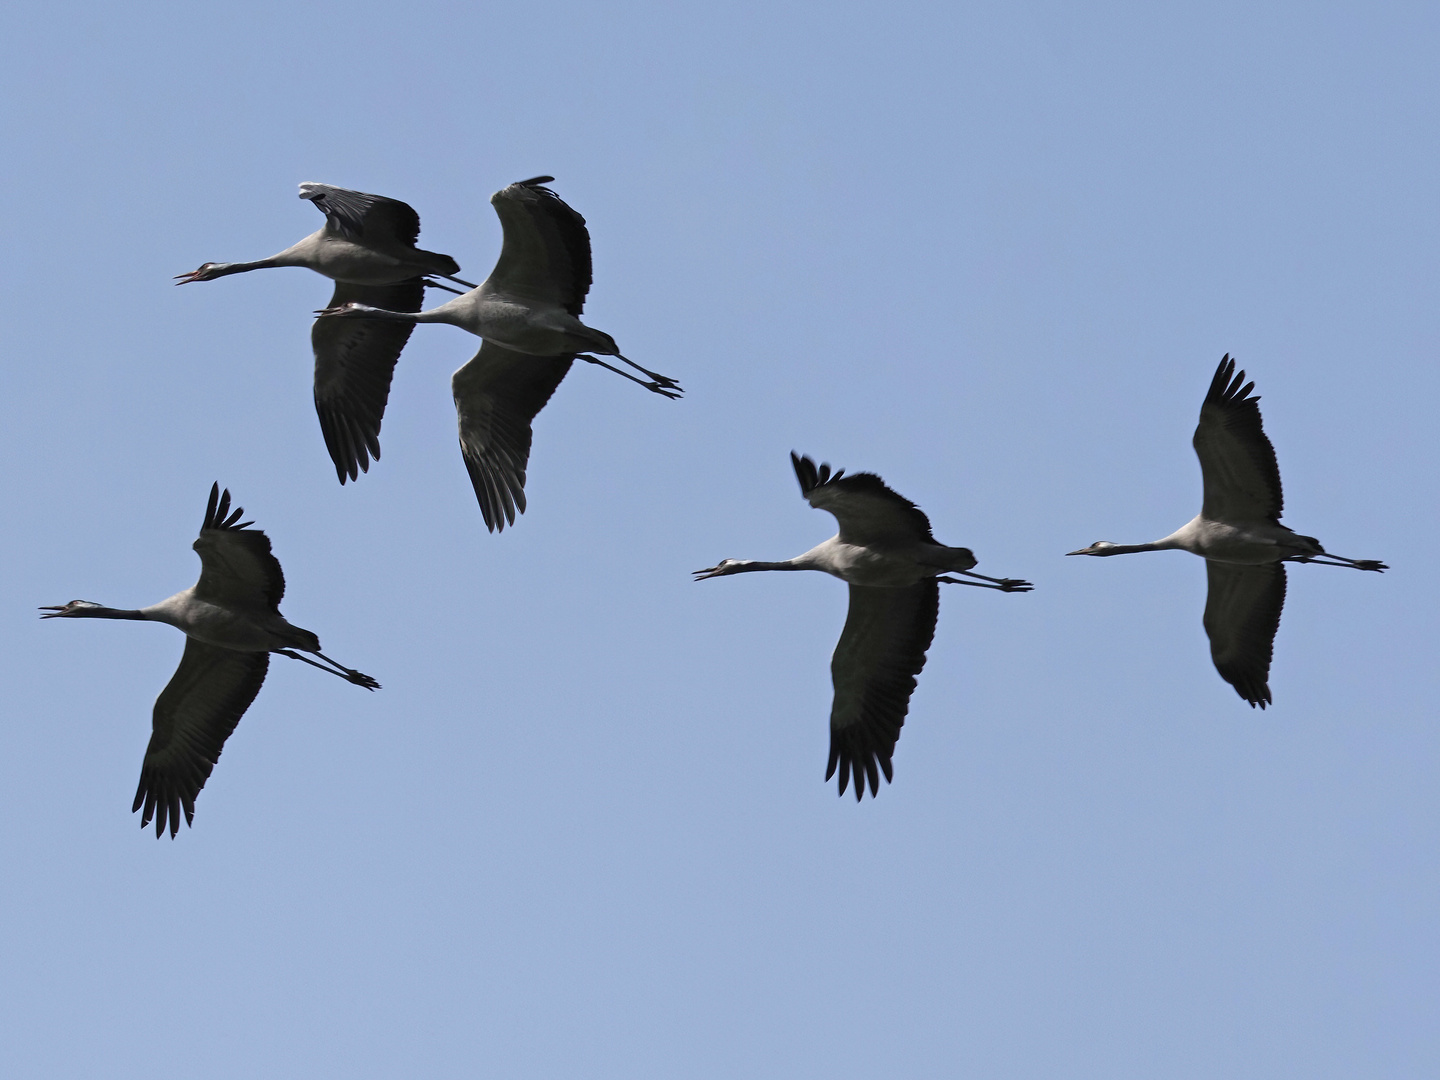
(669, 384)
(655, 386)
(1011, 582)
(1002, 584)
(348, 674)
(1340, 560)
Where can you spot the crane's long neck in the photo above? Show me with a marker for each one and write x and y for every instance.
(747, 565)
(1128, 549)
(225, 269)
(108, 613)
(441, 314)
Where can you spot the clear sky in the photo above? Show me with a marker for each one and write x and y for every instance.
(992, 252)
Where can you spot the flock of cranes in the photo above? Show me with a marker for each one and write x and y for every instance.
(527, 315)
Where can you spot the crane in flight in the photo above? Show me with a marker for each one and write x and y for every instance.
(367, 246)
(232, 623)
(527, 313)
(893, 564)
(1239, 535)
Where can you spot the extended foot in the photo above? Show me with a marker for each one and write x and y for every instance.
(659, 380)
(662, 380)
(359, 678)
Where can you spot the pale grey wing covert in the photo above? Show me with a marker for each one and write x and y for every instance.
(881, 651)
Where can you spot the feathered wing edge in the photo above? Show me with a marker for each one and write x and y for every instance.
(354, 365)
(194, 715)
(497, 396)
(876, 663)
(551, 221)
(218, 514)
(1242, 615)
(347, 211)
(1230, 402)
(857, 490)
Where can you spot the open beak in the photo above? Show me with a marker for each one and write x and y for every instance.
(187, 278)
(54, 612)
(701, 575)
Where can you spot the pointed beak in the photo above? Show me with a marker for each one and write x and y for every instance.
(54, 612)
(701, 575)
(1082, 551)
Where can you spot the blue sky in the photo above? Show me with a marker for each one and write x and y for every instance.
(992, 252)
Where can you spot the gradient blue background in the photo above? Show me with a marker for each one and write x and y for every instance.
(990, 251)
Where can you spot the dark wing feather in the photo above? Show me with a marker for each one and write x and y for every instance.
(194, 715)
(546, 252)
(354, 363)
(868, 511)
(881, 651)
(1242, 613)
(359, 216)
(1237, 460)
(497, 395)
(236, 567)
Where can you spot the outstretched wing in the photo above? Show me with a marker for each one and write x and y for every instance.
(881, 651)
(354, 363)
(546, 252)
(236, 567)
(497, 395)
(358, 216)
(194, 715)
(1242, 613)
(868, 511)
(1237, 460)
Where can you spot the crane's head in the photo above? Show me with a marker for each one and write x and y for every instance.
(75, 609)
(205, 273)
(1099, 547)
(724, 568)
